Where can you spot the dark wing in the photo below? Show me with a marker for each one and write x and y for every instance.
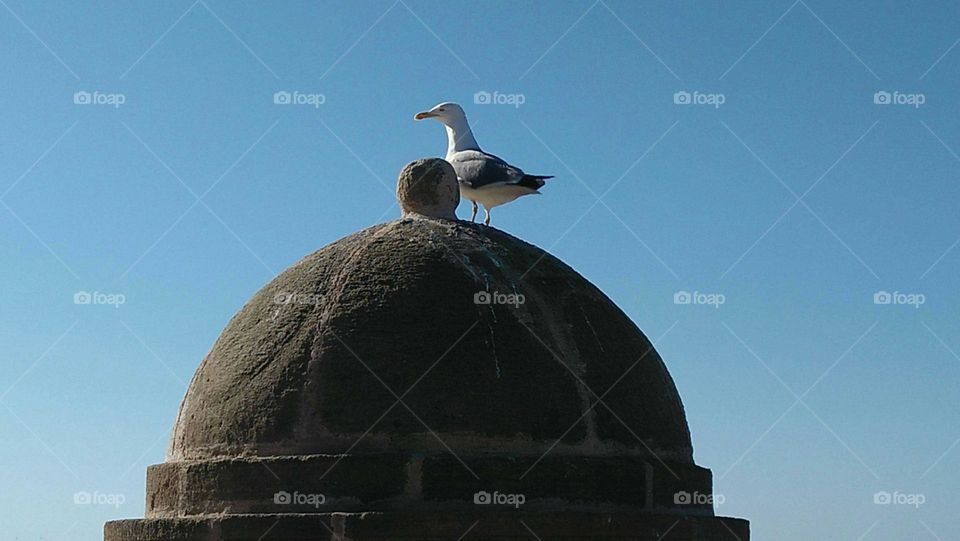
(478, 169)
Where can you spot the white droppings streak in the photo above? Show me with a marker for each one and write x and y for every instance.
(594, 331)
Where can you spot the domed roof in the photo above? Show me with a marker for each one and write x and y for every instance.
(379, 388)
(490, 342)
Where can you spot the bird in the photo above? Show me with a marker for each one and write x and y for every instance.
(484, 179)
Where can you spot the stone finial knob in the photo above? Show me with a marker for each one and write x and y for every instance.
(428, 187)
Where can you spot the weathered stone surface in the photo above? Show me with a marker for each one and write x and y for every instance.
(322, 352)
(396, 374)
(433, 525)
(378, 482)
(429, 187)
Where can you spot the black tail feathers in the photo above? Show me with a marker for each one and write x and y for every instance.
(534, 182)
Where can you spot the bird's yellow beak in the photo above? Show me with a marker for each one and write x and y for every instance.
(422, 115)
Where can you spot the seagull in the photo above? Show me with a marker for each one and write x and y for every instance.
(483, 178)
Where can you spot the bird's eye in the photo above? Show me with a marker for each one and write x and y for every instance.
(439, 110)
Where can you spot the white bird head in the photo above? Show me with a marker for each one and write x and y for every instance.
(449, 113)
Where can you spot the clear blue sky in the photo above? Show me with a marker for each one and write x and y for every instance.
(804, 397)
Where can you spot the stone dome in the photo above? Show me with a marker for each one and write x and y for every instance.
(425, 378)
(491, 343)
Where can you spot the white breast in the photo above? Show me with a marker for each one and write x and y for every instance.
(494, 195)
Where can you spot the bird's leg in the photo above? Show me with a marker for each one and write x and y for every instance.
(486, 219)
(473, 217)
